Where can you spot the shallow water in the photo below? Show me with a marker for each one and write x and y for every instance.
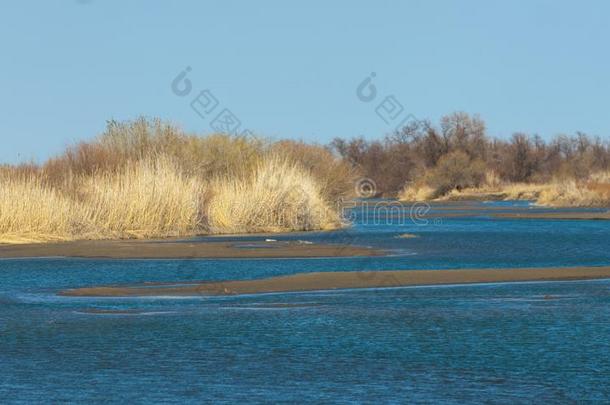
(520, 342)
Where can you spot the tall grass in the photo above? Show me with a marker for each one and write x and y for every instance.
(147, 198)
(277, 196)
(570, 193)
(33, 212)
(147, 179)
(334, 176)
(416, 192)
(558, 192)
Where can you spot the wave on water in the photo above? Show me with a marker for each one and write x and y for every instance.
(119, 312)
(274, 306)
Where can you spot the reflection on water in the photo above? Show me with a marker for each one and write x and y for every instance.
(518, 342)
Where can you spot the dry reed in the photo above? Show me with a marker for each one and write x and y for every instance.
(278, 196)
(147, 198)
(33, 212)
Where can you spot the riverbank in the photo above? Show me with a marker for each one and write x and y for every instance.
(437, 210)
(347, 280)
(559, 194)
(182, 249)
(576, 216)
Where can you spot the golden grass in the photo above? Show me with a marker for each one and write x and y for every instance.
(153, 198)
(149, 179)
(555, 193)
(147, 198)
(277, 196)
(33, 212)
(503, 191)
(571, 193)
(601, 177)
(416, 192)
(334, 176)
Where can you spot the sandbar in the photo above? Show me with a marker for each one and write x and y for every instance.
(347, 280)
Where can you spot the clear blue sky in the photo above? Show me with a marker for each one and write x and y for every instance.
(290, 69)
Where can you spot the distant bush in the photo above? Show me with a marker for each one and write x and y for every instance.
(571, 193)
(424, 160)
(456, 170)
(124, 142)
(416, 192)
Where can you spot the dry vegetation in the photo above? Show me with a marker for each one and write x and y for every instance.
(555, 193)
(32, 211)
(147, 179)
(278, 195)
(458, 160)
(145, 198)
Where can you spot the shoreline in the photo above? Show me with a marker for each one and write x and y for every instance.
(575, 216)
(181, 249)
(303, 282)
(476, 207)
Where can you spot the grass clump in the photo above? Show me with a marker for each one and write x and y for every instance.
(334, 177)
(454, 171)
(416, 192)
(146, 198)
(31, 211)
(277, 196)
(554, 193)
(570, 193)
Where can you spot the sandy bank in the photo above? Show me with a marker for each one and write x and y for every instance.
(556, 215)
(157, 249)
(343, 280)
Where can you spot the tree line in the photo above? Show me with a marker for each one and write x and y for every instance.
(458, 152)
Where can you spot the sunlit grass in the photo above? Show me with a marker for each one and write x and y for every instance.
(146, 179)
(277, 196)
(33, 212)
(148, 198)
(557, 192)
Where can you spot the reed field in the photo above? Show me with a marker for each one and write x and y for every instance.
(31, 211)
(277, 196)
(147, 179)
(566, 192)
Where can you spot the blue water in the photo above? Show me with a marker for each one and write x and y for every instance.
(509, 343)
